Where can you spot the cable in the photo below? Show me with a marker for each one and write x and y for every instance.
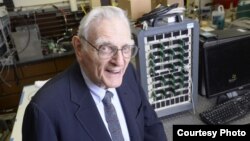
(64, 15)
(192, 97)
(155, 14)
(28, 40)
(82, 7)
(1, 76)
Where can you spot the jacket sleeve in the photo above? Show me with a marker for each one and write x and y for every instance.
(36, 125)
(153, 127)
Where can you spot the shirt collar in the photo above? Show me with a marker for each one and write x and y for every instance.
(95, 90)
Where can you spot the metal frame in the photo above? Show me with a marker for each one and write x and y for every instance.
(158, 34)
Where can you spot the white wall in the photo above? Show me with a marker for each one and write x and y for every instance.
(43, 4)
(25, 3)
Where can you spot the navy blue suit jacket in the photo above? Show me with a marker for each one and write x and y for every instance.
(64, 110)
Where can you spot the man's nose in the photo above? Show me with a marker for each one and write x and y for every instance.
(118, 57)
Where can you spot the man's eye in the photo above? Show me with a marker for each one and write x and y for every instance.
(126, 48)
(106, 49)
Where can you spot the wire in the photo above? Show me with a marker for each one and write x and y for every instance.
(28, 39)
(3, 79)
(83, 9)
(160, 11)
(192, 96)
(64, 15)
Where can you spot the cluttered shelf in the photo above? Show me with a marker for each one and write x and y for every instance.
(26, 72)
(36, 46)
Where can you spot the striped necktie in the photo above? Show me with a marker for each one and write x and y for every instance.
(111, 118)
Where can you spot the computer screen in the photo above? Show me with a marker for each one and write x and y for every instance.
(226, 66)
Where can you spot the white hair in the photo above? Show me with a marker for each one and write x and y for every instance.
(100, 13)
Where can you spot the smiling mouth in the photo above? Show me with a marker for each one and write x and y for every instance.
(114, 71)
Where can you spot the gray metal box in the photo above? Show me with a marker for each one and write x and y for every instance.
(168, 65)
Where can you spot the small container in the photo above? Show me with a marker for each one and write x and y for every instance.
(218, 17)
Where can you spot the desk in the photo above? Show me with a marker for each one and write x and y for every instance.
(185, 118)
(27, 93)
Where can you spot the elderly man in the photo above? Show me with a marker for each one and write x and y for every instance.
(99, 98)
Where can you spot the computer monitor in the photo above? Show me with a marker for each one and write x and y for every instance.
(224, 62)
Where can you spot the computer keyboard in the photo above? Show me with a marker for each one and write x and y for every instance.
(228, 111)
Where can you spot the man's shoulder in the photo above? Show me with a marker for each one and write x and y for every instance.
(52, 90)
(55, 90)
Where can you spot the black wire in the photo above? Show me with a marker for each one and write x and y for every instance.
(162, 10)
(64, 16)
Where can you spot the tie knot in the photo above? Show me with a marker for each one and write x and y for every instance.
(107, 98)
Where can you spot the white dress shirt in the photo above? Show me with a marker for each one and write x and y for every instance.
(98, 94)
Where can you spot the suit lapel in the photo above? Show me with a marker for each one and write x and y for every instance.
(80, 95)
(130, 110)
(89, 118)
(87, 113)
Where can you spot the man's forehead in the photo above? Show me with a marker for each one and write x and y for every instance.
(101, 40)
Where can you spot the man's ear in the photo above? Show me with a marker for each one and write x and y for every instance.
(76, 42)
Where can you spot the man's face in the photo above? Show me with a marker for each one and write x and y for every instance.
(106, 73)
